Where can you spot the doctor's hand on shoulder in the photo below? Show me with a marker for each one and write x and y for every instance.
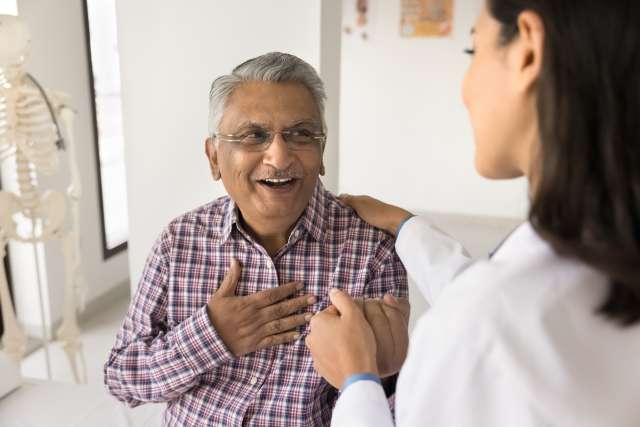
(377, 213)
(354, 337)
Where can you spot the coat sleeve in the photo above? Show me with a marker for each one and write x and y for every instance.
(362, 404)
(431, 257)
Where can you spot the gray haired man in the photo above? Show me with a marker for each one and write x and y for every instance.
(217, 326)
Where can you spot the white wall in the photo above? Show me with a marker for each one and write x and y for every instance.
(405, 135)
(403, 131)
(170, 52)
(59, 60)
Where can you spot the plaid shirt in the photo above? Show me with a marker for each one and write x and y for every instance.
(168, 351)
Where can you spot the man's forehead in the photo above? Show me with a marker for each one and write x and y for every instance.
(268, 102)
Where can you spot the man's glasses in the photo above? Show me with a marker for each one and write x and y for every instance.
(298, 139)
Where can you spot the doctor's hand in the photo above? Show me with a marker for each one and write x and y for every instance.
(379, 214)
(389, 321)
(257, 321)
(341, 341)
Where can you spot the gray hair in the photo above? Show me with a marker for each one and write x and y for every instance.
(271, 67)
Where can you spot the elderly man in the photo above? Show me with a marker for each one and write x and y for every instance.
(217, 326)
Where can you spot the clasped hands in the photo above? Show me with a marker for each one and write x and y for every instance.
(347, 337)
(359, 336)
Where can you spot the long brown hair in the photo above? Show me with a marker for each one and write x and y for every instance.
(587, 195)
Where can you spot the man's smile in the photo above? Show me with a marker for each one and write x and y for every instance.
(280, 185)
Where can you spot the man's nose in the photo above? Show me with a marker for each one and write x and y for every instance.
(277, 155)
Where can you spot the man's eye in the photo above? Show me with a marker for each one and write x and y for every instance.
(301, 132)
(255, 137)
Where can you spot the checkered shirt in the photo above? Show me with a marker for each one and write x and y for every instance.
(168, 351)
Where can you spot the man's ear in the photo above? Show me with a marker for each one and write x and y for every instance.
(322, 171)
(527, 54)
(211, 151)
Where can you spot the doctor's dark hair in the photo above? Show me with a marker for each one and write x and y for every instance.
(586, 200)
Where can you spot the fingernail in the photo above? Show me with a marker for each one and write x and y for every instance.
(333, 291)
(311, 300)
(308, 317)
(296, 336)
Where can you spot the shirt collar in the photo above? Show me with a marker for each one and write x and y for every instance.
(228, 220)
(312, 219)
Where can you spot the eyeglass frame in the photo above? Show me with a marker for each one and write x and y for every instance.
(319, 137)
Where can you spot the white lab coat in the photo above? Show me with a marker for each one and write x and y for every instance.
(512, 341)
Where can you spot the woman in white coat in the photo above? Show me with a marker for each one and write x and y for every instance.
(547, 331)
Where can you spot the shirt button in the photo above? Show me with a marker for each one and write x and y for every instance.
(254, 380)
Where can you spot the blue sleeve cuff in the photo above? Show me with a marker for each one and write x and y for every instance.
(404, 221)
(360, 377)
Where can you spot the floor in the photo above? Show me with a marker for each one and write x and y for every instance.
(98, 336)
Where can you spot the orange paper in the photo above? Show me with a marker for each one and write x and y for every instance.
(426, 18)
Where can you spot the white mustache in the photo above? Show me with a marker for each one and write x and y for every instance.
(279, 174)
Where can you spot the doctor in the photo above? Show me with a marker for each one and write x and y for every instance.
(547, 331)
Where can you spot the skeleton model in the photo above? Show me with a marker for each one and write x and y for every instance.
(32, 123)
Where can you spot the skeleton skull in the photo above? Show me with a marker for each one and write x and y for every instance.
(15, 41)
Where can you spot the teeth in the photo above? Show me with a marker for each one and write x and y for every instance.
(278, 181)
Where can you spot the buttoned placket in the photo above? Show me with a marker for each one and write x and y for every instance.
(257, 379)
(260, 377)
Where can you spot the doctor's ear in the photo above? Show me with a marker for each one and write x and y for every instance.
(322, 171)
(211, 150)
(527, 54)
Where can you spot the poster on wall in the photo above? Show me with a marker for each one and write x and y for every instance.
(356, 17)
(426, 18)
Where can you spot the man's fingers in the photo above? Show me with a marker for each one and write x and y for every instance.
(374, 313)
(228, 286)
(398, 323)
(281, 325)
(283, 338)
(275, 295)
(379, 322)
(401, 304)
(343, 302)
(395, 314)
(284, 308)
(405, 308)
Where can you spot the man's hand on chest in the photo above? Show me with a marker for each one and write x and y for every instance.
(253, 322)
